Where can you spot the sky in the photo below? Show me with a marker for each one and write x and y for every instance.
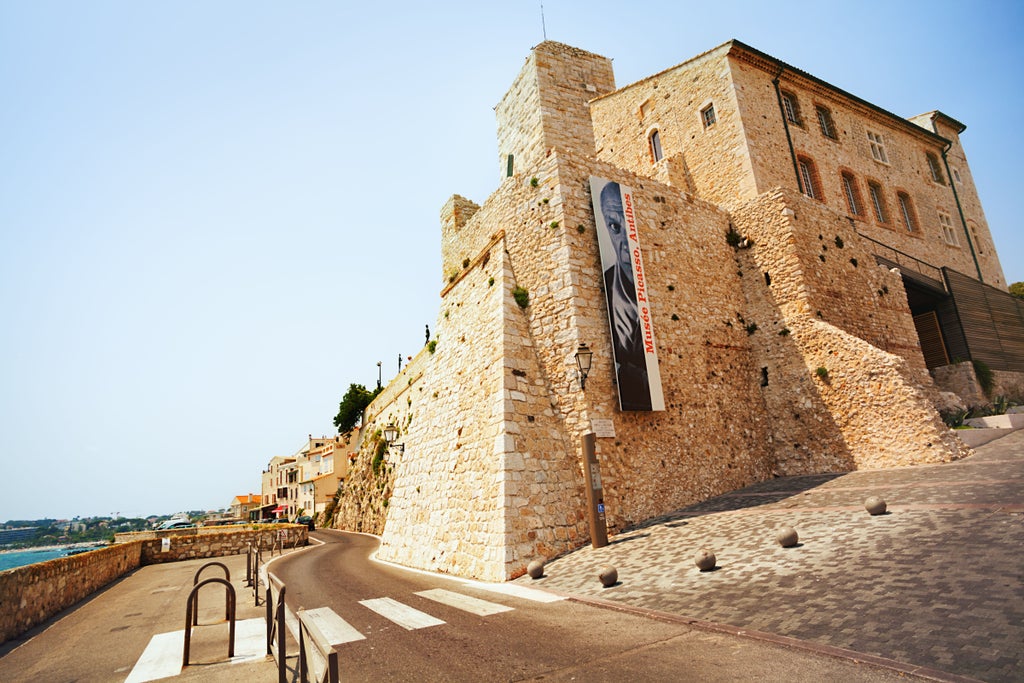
(215, 216)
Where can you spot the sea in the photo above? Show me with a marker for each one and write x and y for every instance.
(20, 558)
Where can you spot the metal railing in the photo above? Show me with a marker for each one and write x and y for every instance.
(895, 257)
(276, 628)
(315, 652)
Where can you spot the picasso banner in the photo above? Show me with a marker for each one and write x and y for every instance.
(625, 288)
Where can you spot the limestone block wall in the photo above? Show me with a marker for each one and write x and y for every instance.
(546, 107)
(710, 161)
(960, 179)
(837, 401)
(32, 594)
(905, 170)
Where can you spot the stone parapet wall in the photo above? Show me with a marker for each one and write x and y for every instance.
(210, 541)
(32, 594)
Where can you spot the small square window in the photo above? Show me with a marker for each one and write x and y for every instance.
(877, 147)
(956, 175)
(707, 115)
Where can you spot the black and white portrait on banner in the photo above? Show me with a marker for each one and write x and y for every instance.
(629, 310)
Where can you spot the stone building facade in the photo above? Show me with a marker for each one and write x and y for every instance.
(789, 351)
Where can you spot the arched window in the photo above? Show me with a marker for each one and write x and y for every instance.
(852, 193)
(877, 201)
(655, 140)
(907, 212)
(934, 168)
(809, 184)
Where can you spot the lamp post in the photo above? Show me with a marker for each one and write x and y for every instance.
(391, 435)
(378, 376)
(584, 356)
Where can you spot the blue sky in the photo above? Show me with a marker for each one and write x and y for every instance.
(215, 216)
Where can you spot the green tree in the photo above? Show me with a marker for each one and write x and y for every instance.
(352, 405)
(1017, 289)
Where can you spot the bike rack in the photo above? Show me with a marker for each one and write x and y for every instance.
(276, 628)
(190, 606)
(195, 580)
(318, 641)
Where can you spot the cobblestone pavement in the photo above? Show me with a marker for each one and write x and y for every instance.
(937, 581)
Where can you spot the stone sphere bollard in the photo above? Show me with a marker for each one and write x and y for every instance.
(609, 577)
(787, 536)
(535, 569)
(874, 505)
(705, 560)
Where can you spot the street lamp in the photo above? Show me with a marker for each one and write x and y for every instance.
(583, 358)
(378, 375)
(391, 435)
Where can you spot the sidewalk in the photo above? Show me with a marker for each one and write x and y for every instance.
(934, 583)
(101, 638)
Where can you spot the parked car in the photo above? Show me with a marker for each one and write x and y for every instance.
(307, 520)
(175, 524)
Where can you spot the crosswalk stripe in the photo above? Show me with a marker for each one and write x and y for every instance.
(466, 603)
(516, 591)
(403, 615)
(335, 629)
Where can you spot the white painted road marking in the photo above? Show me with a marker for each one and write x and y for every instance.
(162, 657)
(467, 603)
(335, 629)
(515, 590)
(403, 615)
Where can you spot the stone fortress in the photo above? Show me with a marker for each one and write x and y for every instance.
(799, 244)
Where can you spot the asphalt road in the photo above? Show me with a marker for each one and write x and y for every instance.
(555, 641)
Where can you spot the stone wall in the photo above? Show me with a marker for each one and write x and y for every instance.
(190, 544)
(846, 383)
(32, 594)
(491, 420)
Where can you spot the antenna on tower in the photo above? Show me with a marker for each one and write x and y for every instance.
(543, 28)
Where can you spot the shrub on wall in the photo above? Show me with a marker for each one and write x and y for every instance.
(521, 295)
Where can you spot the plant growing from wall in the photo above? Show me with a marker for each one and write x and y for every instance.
(822, 373)
(554, 225)
(985, 377)
(521, 295)
(465, 263)
(1017, 289)
(490, 282)
(432, 346)
(534, 181)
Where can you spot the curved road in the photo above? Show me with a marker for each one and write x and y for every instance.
(502, 637)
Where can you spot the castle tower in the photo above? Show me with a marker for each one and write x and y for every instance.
(546, 107)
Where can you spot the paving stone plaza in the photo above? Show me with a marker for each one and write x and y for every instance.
(935, 582)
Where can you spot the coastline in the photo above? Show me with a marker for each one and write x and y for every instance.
(59, 546)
